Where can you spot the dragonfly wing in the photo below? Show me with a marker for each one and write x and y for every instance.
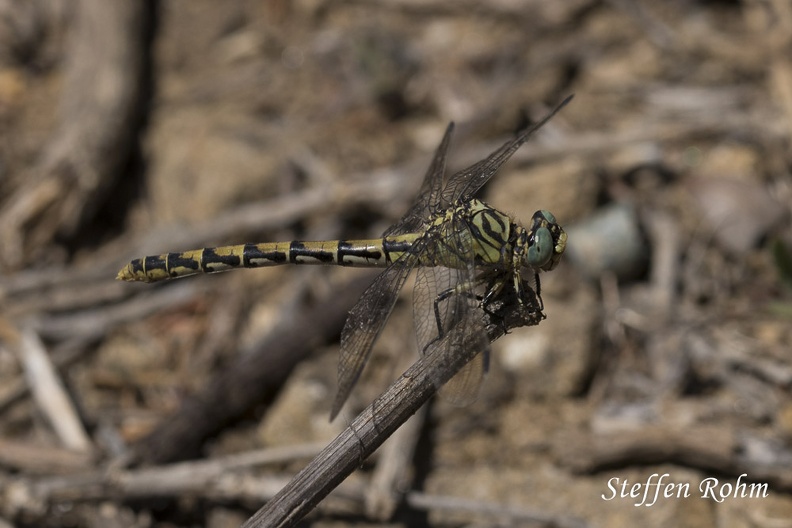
(447, 310)
(434, 303)
(463, 388)
(466, 182)
(448, 318)
(429, 196)
(369, 315)
(364, 324)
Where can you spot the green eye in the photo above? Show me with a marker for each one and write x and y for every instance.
(548, 216)
(541, 248)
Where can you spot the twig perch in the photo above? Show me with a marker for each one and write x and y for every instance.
(386, 414)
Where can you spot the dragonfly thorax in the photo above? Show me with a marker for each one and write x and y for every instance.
(472, 232)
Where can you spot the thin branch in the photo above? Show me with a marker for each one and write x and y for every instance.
(49, 393)
(383, 494)
(33, 459)
(80, 329)
(225, 477)
(386, 414)
(711, 448)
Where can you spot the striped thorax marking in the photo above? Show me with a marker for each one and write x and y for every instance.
(471, 232)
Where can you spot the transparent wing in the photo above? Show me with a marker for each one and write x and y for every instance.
(466, 182)
(428, 200)
(366, 320)
(463, 388)
(369, 315)
(363, 325)
(447, 310)
(436, 305)
(464, 330)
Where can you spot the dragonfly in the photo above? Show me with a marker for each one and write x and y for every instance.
(477, 267)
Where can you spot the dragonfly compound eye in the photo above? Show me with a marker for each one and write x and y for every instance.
(540, 248)
(546, 243)
(547, 216)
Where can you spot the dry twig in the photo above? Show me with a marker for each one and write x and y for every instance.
(388, 412)
(49, 393)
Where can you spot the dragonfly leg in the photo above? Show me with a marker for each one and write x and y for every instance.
(494, 284)
(493, 289)
(538, 292)
(520, 287)
(466, 289)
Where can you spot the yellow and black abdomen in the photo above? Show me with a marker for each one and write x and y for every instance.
(356, 253)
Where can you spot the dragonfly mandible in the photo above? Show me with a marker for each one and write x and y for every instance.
(470, 258)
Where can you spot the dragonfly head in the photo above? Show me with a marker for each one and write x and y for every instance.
(546, 242)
